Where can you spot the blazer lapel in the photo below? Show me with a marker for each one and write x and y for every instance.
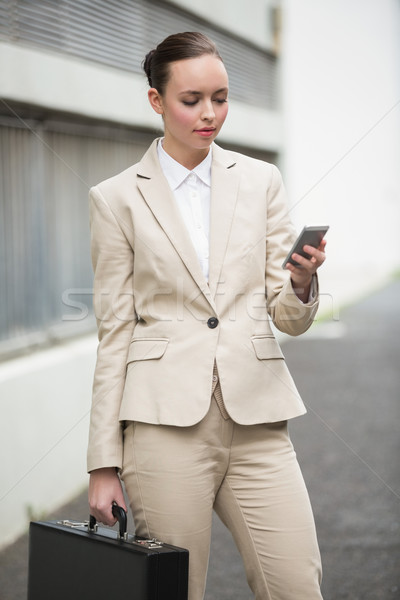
(159, 197)
(224, 192)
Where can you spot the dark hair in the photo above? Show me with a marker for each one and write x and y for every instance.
(190, 44)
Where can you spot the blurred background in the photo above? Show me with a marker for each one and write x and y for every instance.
(314, 88)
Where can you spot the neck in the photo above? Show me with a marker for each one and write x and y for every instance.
(187, 157)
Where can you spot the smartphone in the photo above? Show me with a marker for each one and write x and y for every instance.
(310, 235)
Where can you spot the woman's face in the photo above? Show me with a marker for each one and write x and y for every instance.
(194, 107)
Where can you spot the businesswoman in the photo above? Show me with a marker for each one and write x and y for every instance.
(191, 393)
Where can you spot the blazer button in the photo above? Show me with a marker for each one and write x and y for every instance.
(212, 322)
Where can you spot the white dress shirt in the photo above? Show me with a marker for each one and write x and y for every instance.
(192, 192)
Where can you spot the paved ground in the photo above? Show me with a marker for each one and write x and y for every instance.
(348, 372)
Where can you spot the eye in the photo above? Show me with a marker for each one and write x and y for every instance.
(221, 100)
(189, 103)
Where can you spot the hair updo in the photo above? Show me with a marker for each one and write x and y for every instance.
(178, 46)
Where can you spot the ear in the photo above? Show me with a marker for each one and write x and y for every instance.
(155, 100)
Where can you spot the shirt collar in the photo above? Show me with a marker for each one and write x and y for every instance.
(177, 173)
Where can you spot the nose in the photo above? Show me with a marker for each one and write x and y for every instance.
(208, 113)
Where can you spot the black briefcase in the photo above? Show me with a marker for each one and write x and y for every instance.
(69, 560)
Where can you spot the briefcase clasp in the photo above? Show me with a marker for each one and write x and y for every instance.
(73, 524)
(150, 543)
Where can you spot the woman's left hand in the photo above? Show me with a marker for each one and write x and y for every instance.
(302, 274)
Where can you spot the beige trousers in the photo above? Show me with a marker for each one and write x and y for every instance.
(176, 476)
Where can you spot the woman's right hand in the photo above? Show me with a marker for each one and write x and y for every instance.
(104, 489)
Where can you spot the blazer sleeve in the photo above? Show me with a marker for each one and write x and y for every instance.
(112, 258)
(289, 314)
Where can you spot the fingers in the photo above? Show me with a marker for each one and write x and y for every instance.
(301, 275)
(105, 489)
(103, 514)
(317, 258)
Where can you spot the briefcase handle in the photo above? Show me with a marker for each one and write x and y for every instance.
(120, 514)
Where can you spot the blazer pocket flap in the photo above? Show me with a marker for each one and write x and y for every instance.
(147, 348)
(266, 347)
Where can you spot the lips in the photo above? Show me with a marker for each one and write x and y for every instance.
(205, 131)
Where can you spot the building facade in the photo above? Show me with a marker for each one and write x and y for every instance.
(73, 111)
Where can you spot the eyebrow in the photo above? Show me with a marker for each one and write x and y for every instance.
(195, 93)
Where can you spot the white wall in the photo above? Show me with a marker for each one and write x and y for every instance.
(44, 403)
(62, 82)
(341, 91)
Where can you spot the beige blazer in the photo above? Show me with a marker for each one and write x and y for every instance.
(162, 325)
